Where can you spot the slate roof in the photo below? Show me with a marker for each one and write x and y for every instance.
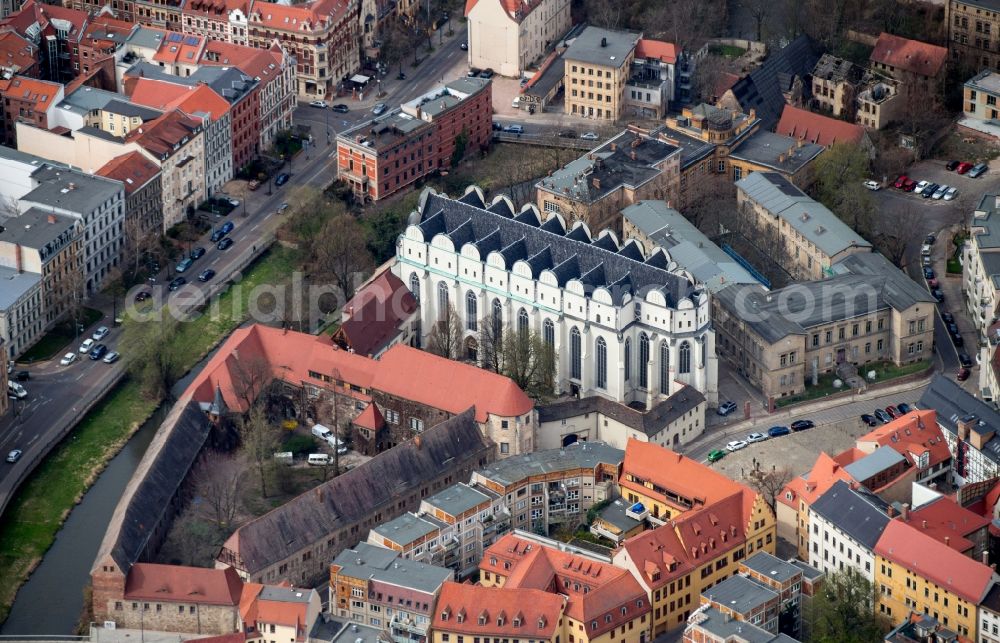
(568, 256)
(762, 88)
(693, 149)
(771, 566)
(859, 514)
(14, 284)
(582, 455)
(407, 528)
(71, 190)
(777, 151)
(874, 463)
(587, 48)
(35, 228)
(457, 499)
(351, 497)
(954, 403)
(987, 217)
(740, 594)
(370, 562)
(650, 422)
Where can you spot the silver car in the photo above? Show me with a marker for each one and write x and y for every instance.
(950, 194)
(938, 193)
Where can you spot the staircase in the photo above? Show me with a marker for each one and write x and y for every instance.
(848, 373)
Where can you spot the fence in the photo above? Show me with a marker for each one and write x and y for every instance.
(545, 140)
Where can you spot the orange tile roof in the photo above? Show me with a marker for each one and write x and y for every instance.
(371, 418)
(904, 544)
(157, 93)
(16, 52)
(40, 92)
(916, 57)
(201, 100)
(665, 51)
(516, 9)
(671, 471)
(815, 483)
(477, 610)
(161, 135)
(948, 522)
(255, 607)
(311, 16)
(149, 581)
(101, 27)
(133, 169)
(912, 435)
(185, 48)
(374, 314)
(595, 589)
(815, 128)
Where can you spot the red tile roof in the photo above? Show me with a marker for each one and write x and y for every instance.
(374, 314)
(159, 137)
(185, 51)
(176, 583)
(948, 522)
(133, 169)
(255, 608)
(259, 63)
(916, 57)
(40, 92)
(909, 547)
(805, 125)
(311, 16)
(40, 13)
(516, 9)
(16, 52)
(815, 483)
(665, 51)
(915, 434)
(214, 8)
(371, 418)
(595, 589)
(402, 371)
(462, 608)
(157, 93)
(201, 100)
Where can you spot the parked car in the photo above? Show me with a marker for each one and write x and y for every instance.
(950, 194)
(929, 191)
(111, 357)
(937, 294)
(963, 167)
(14, 456)
(464, 46)
(86, 345)
(67, 359)
(98, 352)
(904, 408)
(341, 108)
(778, 431)
(497, 127)
(930, 239)
(926, 260)
(281, 179)
(321, 104)
(948, 318)
(964, 359)
(952, 328)
(514, 129)
(963, 374)
(940, 192)
(882, 416)
(567, 133)
(874, 186)
(736, 445)
(928, 273)
(197, 253)
(892, 411)
(177, 283)
(225, 243)
(901, 182)
(921, 186)
(952, 165)
(958, 340)
(486, 73)
(206, 275)
(802, 425)
(590, 136)
(184, 264)
(222, 231)
(100, 333)
(909, 185)
(869, 419)
(380, 109)
(756, 437)
(726, 408)
(516, 102)
(932, 283)
(16, 391)
(253, 185)
(978, 170)
(22, 376)
(715, 455)
(925, 249)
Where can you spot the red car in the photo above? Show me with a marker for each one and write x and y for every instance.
(963, 374)
(963, 167)
(933, 283)
(901, 182)
(892, 411)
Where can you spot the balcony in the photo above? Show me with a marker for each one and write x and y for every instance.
(407, 624)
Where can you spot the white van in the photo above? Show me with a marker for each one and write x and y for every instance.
(284, 457)
(16, 390)
(319, 459)
(322, 432)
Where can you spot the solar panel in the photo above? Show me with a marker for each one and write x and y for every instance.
(175, 37)
(191, 40)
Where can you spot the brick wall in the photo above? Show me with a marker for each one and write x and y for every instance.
(169, 616)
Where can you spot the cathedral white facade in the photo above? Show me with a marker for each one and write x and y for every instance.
(623, 325)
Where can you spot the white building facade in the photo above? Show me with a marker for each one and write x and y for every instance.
(845, 524)
(621, 325)
(508, 36)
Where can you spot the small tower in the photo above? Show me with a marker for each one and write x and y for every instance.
(218, 407)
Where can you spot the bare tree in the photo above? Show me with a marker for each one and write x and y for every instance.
(217, 483)
(138, 241)
(259, 440)
(769, 483)
(153, 355)
(602, 13)
(529, 362)
(445, 338)
(340, 252)
(923, 118)
(759, 10)
(251, 375)
(490, 343)
(707, 198)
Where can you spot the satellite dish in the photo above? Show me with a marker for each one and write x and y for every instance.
(838, 384)
(872, 375)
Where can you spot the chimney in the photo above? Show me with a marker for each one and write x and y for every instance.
(604, 42)
(965, 424)
(923, 524)
(947, 540)
(905, 512)
(52, 218)
(614, 146)
(890, 511)
(986, 557)
(632, 155)
(416, 441)
(596, 182)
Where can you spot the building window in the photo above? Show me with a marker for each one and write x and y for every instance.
(643, 360)
(471, 310)
(497, 321)
(628, 359)
(684, 358)
(442, 301)
(664, 368)
(575, 361)
(549, 333)
(415, 286)
(601, 376)
(522, 322)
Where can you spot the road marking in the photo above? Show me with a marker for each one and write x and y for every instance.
(256, 225)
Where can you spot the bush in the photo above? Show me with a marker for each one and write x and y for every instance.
(596, 509)
(300, 444)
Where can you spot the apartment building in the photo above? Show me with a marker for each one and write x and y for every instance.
(99, 109)
(28, 100)
(814, 238)
(102, 37)
(793, 581)
(18, 56)
(641, 344)
(223, 21)
(286, 613)
(916, 437)
(919, 66)
(973, 30)
(802, 124)
(981, 261)
(654, 80)
(595, 188)
(989, 616)
(979, 104)
(598, 64)
(554, 486)
(160, 14)
(322, 35)
(143, 184)
(375, 586)
(22, 316)
(835, 85)
(383, 156)
(518, 615)
(970, 426)
(743, 599)
(708, 625)
(55, 31)
(846, 523)
(772, 153)
(509, 36)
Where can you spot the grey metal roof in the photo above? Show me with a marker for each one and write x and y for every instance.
(777, 151)
(375, 563)
(896, 288)
(72, 190)
(740, 594)
(808, 571)
(467, 85)
(551, 76)
(17, 155)
(989, 5)
(408, 528)
(727, 629)
(33, 228)
(693, 149)
(874, 463)
(86, 99)
(650, 422)
(686, 244)
(953, 403)
(810, 218)
(859, 514)
(771, 566)
(986, 80)
(597, 46)
(127, 108)
(582, 455)
(987, 216)
(457, 499)
(763, 89)
(285, 594)
(571, 256)
(146, 37)
(14, 284)
(616, 514)
(229, 82)
(628, 159)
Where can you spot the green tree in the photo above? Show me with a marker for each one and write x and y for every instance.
(839, 172)
(529, 362)
(844, 611)
(461, 141)
(154, 357)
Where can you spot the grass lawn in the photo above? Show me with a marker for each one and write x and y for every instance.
(884, 371)
(823, 388)
(53, 342)
(888, 371)
(729, 51)
(954, 266)
(965, 148)
(34, 517)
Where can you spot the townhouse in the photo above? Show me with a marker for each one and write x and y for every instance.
(979, 104)
(918, 439)
(597, 67)
(958, 527)
(99, 109)
(222, 21)
(846, 523)
(22, 319)
(143, 184)
(284, 612)
(969, 426)
(973, 28)
(27, 100)
(594, 188)
(745, 600)
(18, 56)
(55, 31)
(103, 36)
(708, 625)
(793, 503)
(508, 36)
(375, 586)
(793, 581)
(518, 615)
(619, 323)
(989, 616)
(981, 265)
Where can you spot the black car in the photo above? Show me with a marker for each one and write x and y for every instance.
(929, 191)
(928, 272)
(225, 243)
(177, 283)
(474, 71)
(883, 417)
(952, 165)
(937, 294)
(218, 234)
(281, 179)
(958, 341)
(401, 76)
(198, 253)
(206, 274)
(948, 318)
(904, 408)
(952, 328)
(567, 133)
(486, 73)
(98, 352)
(341, 108)
(802, 425)
(929, 239)
(869, 419)
(964, 359)
(142, 296)
(497, 127)
(22, 376)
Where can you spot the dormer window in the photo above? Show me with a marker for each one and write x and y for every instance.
(639, 603)
(624, 609)
(593, 625)
(607, 618)
(493, 560)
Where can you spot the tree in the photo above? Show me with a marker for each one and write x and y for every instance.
(759, 10)
(461, 141)
(839, 172)
(844, 610)
(769, 483)
(602, 13)
(340, 252)
(445, 338)
(490, 344)
(251, 376)
(529, 362)
(259, 439)
(153, 355)
(217, 483)
(923, 118)
(708, 197)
